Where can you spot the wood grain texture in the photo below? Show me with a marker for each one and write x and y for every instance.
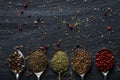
(92, 23)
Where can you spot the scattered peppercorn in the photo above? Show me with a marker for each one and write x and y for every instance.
(25, 5)
(20, 28)
(42, 48)
(70, 26)
(105, 13)
(77, 46)
(109, 28)
(58, 43)
(21, 11)
(44, 35)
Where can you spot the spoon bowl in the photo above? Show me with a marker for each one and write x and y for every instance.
(104, 61)
(81, 62)
(37, 62)
(16, 62)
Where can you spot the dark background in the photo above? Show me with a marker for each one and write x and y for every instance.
(92, 36)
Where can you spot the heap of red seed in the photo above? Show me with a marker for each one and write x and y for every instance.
(104, 60)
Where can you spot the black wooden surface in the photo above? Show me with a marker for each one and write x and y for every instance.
(93, 34)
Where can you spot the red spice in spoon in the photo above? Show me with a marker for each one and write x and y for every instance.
(104, 60)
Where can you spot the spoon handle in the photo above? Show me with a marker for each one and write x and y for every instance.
(59, 74)
(38, 78)
(17, 76)
(82, 76)
(105, 77)
(38, 75)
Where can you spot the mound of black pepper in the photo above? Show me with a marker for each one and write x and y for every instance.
(81, 61)
(37, 61)
(60, 61)
(16, 62)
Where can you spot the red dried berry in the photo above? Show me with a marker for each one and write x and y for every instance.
(21, 11)
(42, 48)
(109, 28)
(70, 26)
(20, 28)
(104, 60)
(105, 13)
(25, 5)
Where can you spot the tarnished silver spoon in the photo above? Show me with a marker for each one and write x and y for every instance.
(105, 75)
(16, 62)
(38, 74)
(37, 62)
(82, 76)
(21, 55)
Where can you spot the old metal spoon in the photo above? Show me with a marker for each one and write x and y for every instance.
(105, 75)
(82, 76)
(38, 74)
(21, 55)
(59, 76)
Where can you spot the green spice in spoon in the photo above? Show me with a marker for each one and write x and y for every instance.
(38, 62)
(60, 62)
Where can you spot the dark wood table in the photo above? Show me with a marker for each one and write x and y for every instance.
(75, 22)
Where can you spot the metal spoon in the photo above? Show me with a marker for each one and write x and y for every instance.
(105, 75)
(40, 69)
(82, 76)
(38, 74)
(17, 76)
(59, 76)
(21, 55)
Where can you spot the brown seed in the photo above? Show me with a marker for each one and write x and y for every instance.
(81, 61)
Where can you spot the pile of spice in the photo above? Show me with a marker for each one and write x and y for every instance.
(104, 60)
(81, 61)
(16, 62)
(37, 61)
(60, 61)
